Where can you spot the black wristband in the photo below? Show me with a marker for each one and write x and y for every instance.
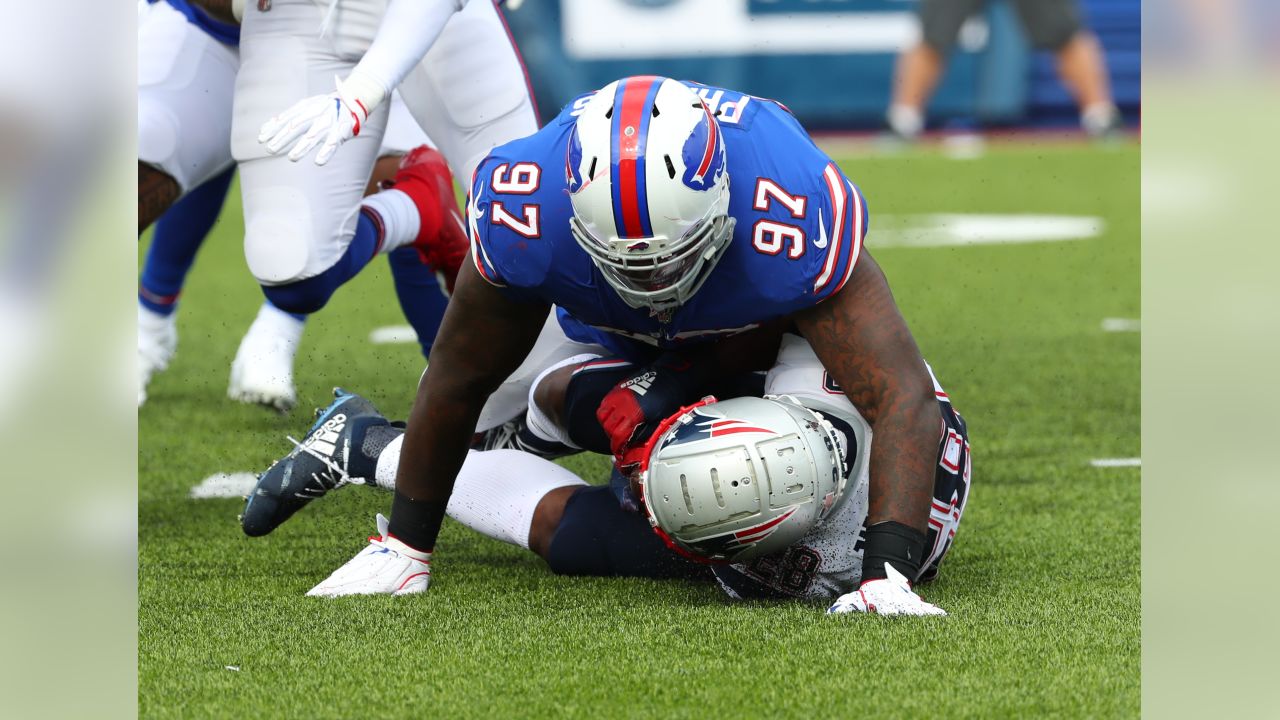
(895, 543)
(416, 523)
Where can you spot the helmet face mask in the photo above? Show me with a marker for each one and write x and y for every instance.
(735, 480)
(645, 167)
(659, 281)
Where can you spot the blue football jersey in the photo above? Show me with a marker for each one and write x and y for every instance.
(222, 32)
(799, 228)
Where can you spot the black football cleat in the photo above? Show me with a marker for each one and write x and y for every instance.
(315, 466)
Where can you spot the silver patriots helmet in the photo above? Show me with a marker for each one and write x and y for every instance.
(735, 480)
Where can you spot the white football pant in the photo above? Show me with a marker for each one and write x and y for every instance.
(186, 84)
(469, 94)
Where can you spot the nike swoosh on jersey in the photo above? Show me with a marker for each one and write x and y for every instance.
(821, 242)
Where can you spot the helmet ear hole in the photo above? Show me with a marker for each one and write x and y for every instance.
(591, 171)
(608, 114)
(671, 168)
(655, 111)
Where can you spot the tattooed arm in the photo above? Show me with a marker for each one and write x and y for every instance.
(218, 10)
(864, 343)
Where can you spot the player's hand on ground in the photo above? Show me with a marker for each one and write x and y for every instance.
(326, 121)
(888, 596)
(385, 567)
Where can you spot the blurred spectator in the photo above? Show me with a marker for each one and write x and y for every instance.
(1050, 24)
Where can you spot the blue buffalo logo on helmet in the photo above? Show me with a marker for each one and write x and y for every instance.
(703, 154)
(573, 161)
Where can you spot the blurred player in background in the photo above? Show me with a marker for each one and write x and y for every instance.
(1053, 25)
(304, 236)
(619, 213)
(186, 82)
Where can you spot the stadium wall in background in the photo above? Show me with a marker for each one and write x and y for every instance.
(830, 61)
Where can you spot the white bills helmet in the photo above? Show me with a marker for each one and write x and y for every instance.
(645, 166)
(732, 481)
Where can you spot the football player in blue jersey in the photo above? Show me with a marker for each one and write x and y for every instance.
(657, 216)
(768, 496)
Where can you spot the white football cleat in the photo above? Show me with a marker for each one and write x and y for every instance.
(889, 596)
(262, 372)
(157, 344)
(386, 567)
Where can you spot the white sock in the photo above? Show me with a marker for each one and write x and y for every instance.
(540, 424)
(384, 476)
(152, 321)
(496, 492)
(1098, 117)
(274, 322)
(398, 215)
(905, 120)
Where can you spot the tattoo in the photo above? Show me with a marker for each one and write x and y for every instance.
(156, 193)
(863, 342)
(218, 10)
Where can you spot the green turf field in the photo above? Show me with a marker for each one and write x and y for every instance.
(1042, 584)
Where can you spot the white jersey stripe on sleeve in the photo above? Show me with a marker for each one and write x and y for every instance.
(839, 200)
(859, 230)
(478, 254)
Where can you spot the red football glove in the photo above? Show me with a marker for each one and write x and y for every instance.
(635, 406)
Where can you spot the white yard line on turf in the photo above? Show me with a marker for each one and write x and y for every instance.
(393, 334)
(960, 229)
(1116, 462)
(225, 485)
(1121, 325)
(968, 146)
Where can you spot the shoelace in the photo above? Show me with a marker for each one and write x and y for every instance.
(336, 475)
(502, 437)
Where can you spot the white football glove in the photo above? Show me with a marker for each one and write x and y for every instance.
(890, 596)
(324, 120)
(386, 567)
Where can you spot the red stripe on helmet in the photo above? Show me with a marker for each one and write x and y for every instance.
(713, 138)
(722, 431)
(759, 531)
(634, 92)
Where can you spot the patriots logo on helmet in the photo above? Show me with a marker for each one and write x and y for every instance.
(703, 427)
(703, 154)
(730, 543)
